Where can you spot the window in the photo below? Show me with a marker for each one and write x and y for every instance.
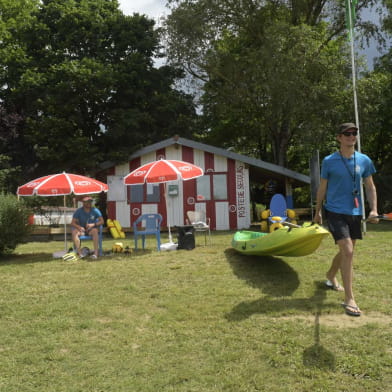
(152, 193)
(203, 188)
(219, 186)
(148, 193)
(216, 182)
(136, 194)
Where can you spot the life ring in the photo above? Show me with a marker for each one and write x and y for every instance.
(275, 226)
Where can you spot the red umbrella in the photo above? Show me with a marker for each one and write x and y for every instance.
(60, 185)
(162, 171)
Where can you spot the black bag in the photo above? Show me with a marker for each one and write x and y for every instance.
(186, 237)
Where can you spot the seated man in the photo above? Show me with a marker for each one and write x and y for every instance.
(86, 221)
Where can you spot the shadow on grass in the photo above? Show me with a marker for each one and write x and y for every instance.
(274, 278)
(317, 356)
(270, 274)
(278, 281)
(26, 258)
(141, 252)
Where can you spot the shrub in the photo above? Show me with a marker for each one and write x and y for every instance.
(14, 226)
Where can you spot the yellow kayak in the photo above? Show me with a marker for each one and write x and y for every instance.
(286, 241)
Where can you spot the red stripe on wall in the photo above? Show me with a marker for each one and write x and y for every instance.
(111, 209)
(134, 164)
(160, 154)
(111, 171)
(209, 165)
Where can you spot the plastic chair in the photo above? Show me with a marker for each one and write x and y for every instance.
(89, 237)
(200, 223)
(152, 226)
(278, 209)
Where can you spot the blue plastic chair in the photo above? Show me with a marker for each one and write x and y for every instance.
(278, 207)
(89, 237)
(151, 225)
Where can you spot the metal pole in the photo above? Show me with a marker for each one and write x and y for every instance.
(353, 71)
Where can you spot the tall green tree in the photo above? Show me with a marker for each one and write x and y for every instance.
(274, 73)
(83, 80)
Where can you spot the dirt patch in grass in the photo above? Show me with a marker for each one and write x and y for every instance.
(343, 320)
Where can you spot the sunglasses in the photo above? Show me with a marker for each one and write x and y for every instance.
(347, 133)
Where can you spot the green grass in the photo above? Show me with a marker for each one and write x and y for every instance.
(208, 319)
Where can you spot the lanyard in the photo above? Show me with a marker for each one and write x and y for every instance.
(353, 177)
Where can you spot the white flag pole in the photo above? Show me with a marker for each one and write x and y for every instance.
(353, 71)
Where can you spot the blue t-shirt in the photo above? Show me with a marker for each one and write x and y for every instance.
(84, 217)
(339, 171)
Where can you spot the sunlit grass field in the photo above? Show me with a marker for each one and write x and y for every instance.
(208, 319)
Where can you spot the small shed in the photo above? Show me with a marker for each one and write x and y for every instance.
(223, 192)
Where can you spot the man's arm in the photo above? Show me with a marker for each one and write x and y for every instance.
(322, 190)
(76, 225)
(100, 221)
(371, 195)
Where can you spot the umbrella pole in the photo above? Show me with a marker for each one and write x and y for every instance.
(65, 228)
(167, 211)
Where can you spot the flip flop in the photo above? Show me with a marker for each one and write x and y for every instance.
(354, 312)
(331, 286)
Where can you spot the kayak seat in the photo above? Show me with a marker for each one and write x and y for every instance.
(278, 208)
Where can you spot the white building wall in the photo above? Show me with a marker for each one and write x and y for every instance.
(173, 153)
(198, 158)
(222, 215)
(175, 205)
(242, 195)
(117, 192)
(220, 163)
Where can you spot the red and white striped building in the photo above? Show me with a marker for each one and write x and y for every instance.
(223, 192)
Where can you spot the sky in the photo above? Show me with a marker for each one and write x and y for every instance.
(156, 9)
(152, 8)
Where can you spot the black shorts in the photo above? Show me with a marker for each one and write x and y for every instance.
(344, 226)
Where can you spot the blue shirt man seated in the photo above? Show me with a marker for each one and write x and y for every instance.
(86, 221)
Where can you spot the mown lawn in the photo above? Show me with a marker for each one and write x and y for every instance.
(208, 319)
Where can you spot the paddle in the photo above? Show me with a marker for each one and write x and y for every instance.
(278, 219)
(289, 224)
(386, 217)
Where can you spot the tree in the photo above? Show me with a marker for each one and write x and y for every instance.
(85, 84)
(274, 73)
(10, 150)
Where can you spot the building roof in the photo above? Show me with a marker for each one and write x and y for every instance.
(259, 171)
